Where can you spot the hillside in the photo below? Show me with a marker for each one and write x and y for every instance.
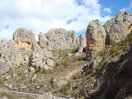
(61, 65)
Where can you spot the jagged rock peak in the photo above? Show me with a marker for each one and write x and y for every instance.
(25, 39)
(59, 39)
(118, 28)
(95, 38)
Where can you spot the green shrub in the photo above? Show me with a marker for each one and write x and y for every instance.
(19, 73)
(57, 64)
(66, 87)
(97, 67)
(43, 60)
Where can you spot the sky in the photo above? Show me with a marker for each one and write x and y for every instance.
(42, 15)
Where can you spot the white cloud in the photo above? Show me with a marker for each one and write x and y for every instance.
(129, 8)
(108, 10)
(42, 15)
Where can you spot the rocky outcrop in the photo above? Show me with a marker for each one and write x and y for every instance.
(95, 38)
(39, 62)
(118, 28)
(59, 39)
(82, 45)
(4, 66)
(25, 39)
(10, 55)
(107, 75)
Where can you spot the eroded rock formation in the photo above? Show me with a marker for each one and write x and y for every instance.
(95, 38)
(82, 45)
(118, 28)
(10, 55)
(59, 39)
(25, 39)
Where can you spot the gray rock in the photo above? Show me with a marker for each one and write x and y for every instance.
(82, 45)
(31, 69)
(40, 62)
(118, 28)
(10, 53)
(50, 62)
(95, 36)
(4, 66)
(43, 41)
(25, 39)
(59, 39)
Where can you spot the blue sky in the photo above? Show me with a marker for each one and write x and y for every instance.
(42, 15)
(116, 5)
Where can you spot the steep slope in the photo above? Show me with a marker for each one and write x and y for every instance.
(108, 75)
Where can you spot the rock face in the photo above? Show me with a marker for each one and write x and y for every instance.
(10, 55)
(59, 39)
(4, 66)
(82, 45)
(118, 28)
(25, 39)
(95, 38)
(40, 62)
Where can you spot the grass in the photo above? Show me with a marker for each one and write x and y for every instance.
(47, 71)
(66, 88)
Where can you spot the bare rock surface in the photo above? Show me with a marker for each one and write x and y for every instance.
(10, 55)
(25, 39)
(118, 28)
(95, 36)
(40, 62)
(59, 39)
(82, 45)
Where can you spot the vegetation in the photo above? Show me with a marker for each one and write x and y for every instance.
(97, 67)
(74, 50)
(130, 36)
(65, 63)
(66, 88)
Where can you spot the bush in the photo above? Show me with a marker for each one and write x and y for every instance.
(97, 67)
(57, 64)
(66, 88)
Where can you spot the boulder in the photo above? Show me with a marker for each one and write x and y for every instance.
(40, 62)
(25, 39)
(82, 45)
(58, 39)
(50, 62)
(95, 38)
(118, 28)
(43, 41)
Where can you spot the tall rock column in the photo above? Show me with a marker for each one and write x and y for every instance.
(82, 45)
(95, 38)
